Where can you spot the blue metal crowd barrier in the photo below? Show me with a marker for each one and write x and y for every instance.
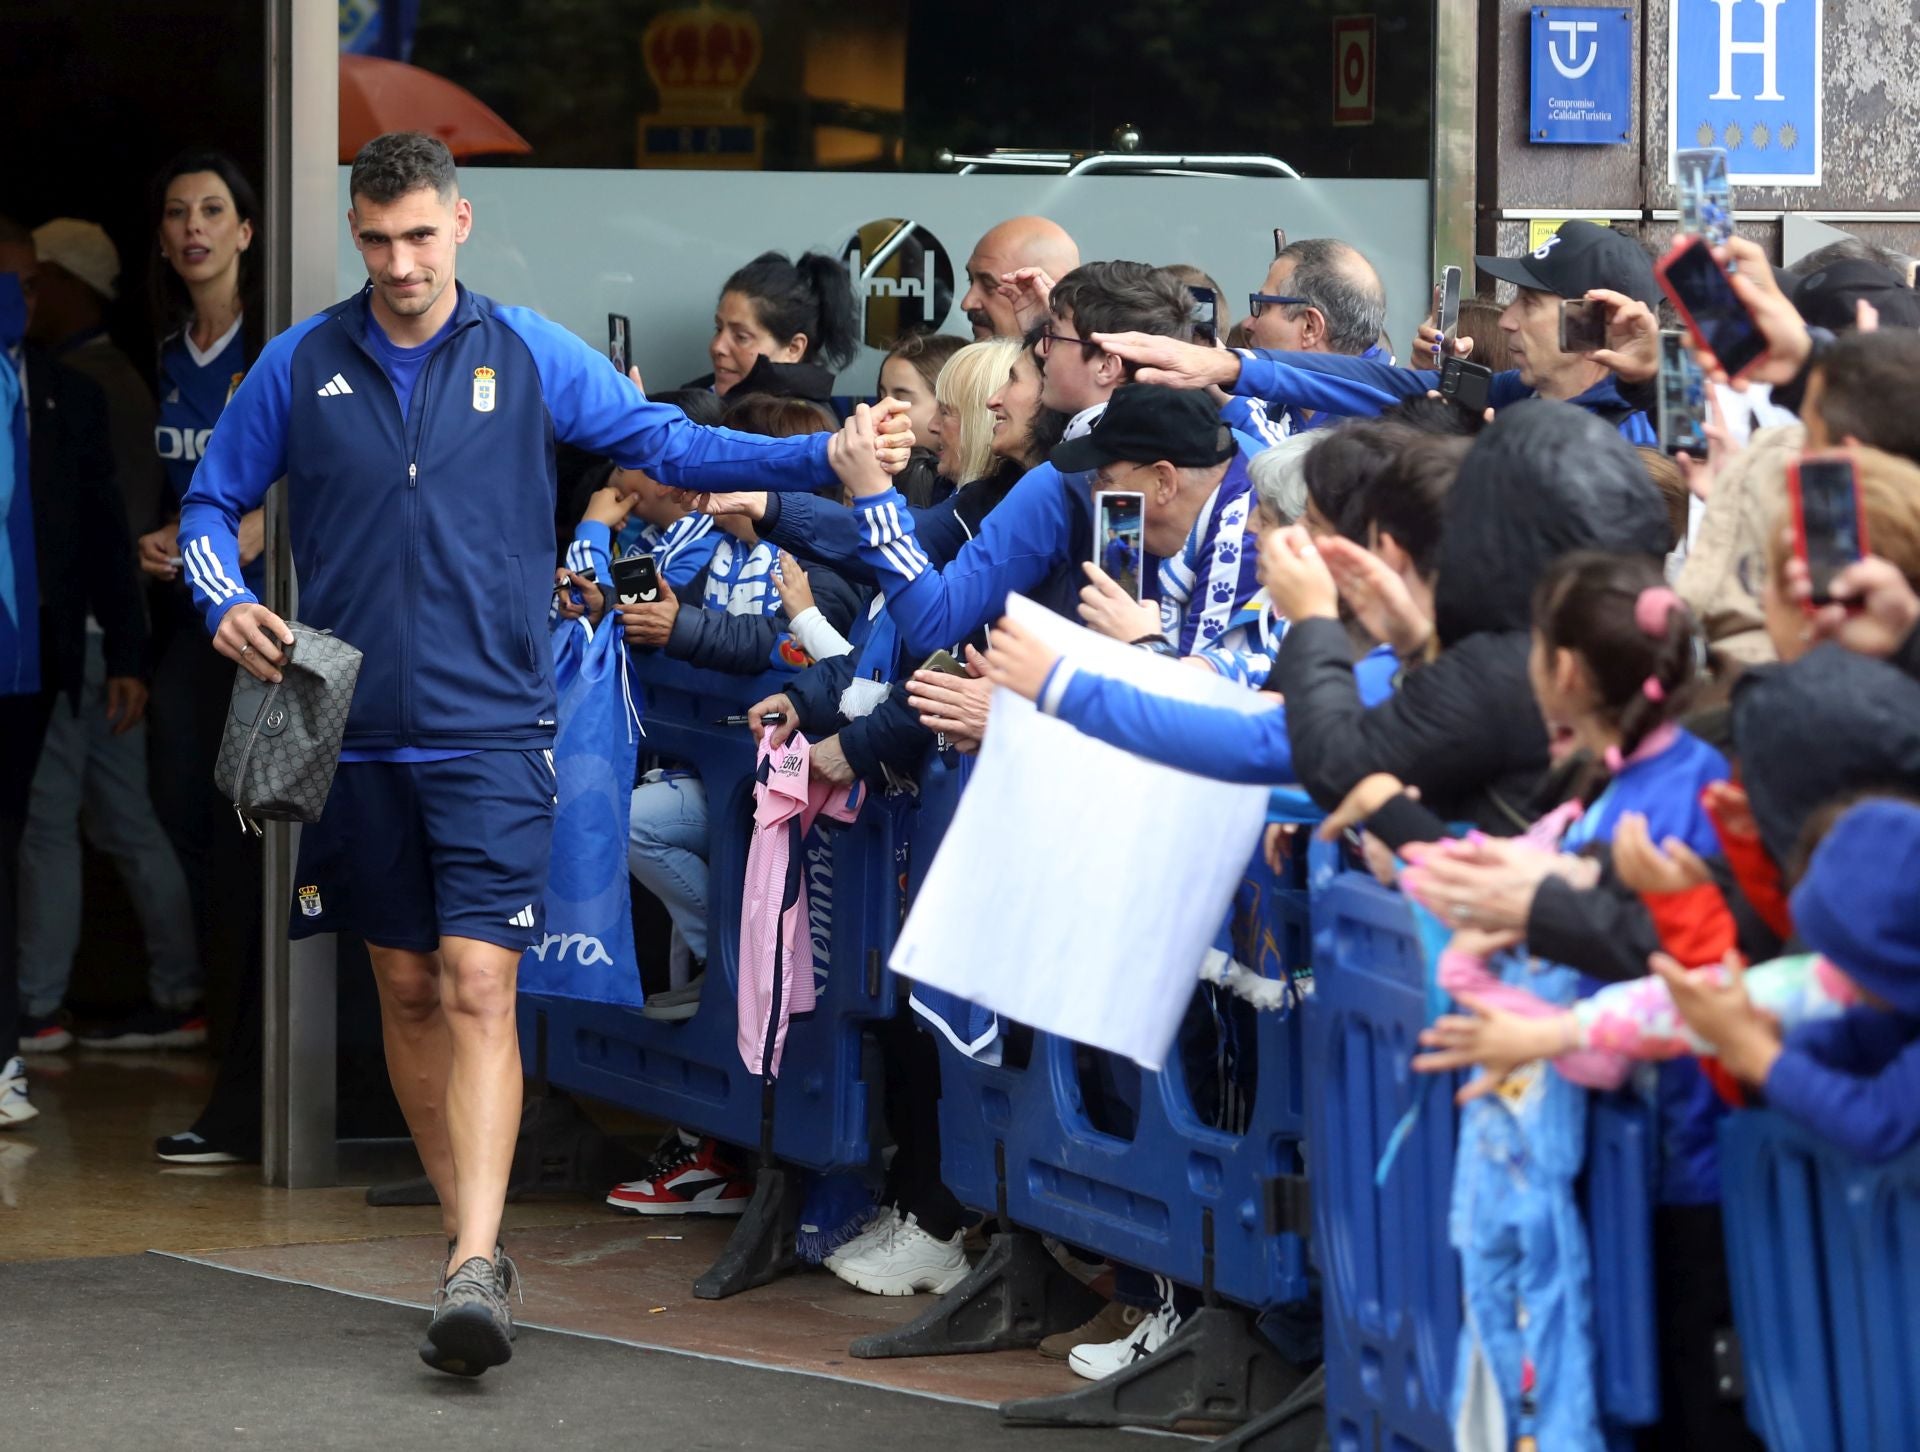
(1179, 1197)
(1390, 1281)
(690, 1073)
(1824, 1255)
(1391, 1278)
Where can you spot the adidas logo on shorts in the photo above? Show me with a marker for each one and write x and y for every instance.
(523, 918)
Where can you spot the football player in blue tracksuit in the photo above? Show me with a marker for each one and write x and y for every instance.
(1580, 257)
(415, 425)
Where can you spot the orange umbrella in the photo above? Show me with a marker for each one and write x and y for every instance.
(378, 96)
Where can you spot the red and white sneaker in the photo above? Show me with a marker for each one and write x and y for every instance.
(688, 1176)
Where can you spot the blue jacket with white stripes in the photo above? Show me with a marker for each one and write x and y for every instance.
(1333, 383)
(427, 541)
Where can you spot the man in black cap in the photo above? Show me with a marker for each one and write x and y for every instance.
(1580, 258)
(1173, 449)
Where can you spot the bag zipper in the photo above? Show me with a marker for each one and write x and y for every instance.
(246, 755)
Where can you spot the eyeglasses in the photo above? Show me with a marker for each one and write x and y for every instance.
(1044, 344)
(1259, 302)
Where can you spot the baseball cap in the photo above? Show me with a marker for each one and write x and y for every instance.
(1829, 298)
(83, 248)
(1578, 258)
(1144, 424)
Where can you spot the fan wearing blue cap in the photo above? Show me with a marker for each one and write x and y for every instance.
(1854, 1079)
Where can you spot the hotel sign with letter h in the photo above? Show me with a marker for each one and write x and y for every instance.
(1746, 76)
(1582, 76)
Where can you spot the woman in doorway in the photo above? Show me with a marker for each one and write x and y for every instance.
(206, 306)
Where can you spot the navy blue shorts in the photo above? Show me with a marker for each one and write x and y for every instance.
(407, 853)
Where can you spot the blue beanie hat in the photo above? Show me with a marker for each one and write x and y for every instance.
(1859, 903)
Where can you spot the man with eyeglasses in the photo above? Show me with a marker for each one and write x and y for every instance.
(1581, 260)
(1319, 296)
(1037, 540)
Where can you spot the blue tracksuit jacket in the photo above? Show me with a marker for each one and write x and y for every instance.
(1337, 384)
(427, 541)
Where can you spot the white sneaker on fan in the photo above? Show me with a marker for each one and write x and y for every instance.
(1101, 1359)
(903, 1259)
(15, 1106)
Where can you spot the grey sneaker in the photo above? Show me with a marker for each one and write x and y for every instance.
(674, 1004)
(472, 1328)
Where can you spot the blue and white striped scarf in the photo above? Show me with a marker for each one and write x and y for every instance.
(1217, 570)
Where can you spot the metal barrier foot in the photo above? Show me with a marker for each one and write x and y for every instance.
(761, 1247)
(559, 1151)
(1299, 1424)
(1217, 1368)
(1017, 1296)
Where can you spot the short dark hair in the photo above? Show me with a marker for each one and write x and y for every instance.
(1339, 468)
(1342, 286)
(1407, 498)
(813, 296)
(390, 167)
(1123, 297)
(701, 405)
(1430, 415)
(775, 417)
(1868, 394)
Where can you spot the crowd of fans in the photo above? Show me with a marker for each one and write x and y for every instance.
(1579, 700)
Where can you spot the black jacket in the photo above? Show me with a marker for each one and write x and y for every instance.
(1545, 480)
(81, 544)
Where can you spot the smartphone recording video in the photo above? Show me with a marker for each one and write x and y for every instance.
(1119, 517)
(618, 350)
(1583, 326)
(1829, 530)
(1206, 315)
(1682, 410)
(1703, 194)
(1447, 320)
(1721, 325)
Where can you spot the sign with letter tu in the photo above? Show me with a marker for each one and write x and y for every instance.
(1582, 76)
(1746, 76)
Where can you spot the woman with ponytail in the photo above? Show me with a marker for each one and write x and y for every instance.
(798, 317)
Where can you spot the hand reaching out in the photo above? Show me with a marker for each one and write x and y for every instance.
(1377, 596)
(1297, 579)
(1671, 867)
(1018, 660)
(796, 595)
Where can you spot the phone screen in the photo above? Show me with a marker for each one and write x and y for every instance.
(618, 333)
(1206, 314)
(1721, 322)
(1448, 321)
(1703, 193)
(1683, 399)
(1583, 326)
(1829, 522)
(636, 580)
(1118, 519)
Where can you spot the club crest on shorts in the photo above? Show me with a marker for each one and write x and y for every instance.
(310, 902)
(483, 390)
